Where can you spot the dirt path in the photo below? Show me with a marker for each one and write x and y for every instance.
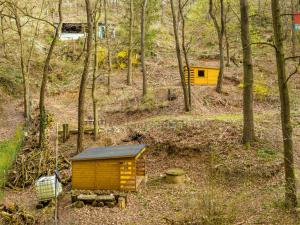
(10, 117)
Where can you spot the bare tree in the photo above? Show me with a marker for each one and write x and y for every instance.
(185, 50)
(84, 78)
(43, 114)
(107, 37)
(178, 52)
(25, 75)
(294, 36)
(2, 18)
(226, 36)
(248, 131)
(143, 14)
(221, 34)
(287, 130)
(130, 47)
(15, 11)
(97, 15)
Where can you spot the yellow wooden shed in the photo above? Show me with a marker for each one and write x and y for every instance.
(202, 75)
(109, 168)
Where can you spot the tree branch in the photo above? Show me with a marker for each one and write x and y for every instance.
(292, 74)
(292, 57)
(264, 43)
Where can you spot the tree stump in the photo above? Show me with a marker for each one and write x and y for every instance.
(79, 204)
(175, 176)
(171, 96)
(121, 203)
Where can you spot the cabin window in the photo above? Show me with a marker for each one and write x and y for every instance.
(72, 28)
(201, 73)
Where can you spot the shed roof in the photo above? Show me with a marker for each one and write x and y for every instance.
(126, 151)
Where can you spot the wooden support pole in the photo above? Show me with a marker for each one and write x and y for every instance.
(66, 133)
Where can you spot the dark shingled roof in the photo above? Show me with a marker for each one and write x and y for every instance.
(125, 151)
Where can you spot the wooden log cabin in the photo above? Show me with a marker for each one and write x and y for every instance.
(109, 168)
(202, 75)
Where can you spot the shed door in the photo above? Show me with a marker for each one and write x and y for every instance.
(107, 175)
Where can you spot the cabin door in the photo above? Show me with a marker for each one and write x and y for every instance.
(107, 175)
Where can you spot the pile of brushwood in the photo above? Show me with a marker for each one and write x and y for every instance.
(13, 214)
(32, 161)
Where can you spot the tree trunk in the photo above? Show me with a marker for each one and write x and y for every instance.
(185, 53)
(221, 49)
(180, 64)
(3, 36)
(227, 47)
(107, 37)
(287, 131)
(294, 37)
(248, 129)
(85, 74)
(220, 31)
(43, 114)
(23, 70)
(162, 17)
(95, 73)
(143, 14)
(129, 74)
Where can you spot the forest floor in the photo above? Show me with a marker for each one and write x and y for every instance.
(11, 116)
(227, 182)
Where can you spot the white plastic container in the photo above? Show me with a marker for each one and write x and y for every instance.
(45, 188)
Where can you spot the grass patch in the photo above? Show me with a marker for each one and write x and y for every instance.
(225, 117)
(266, 153)
(148, 101)
(8, 151)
